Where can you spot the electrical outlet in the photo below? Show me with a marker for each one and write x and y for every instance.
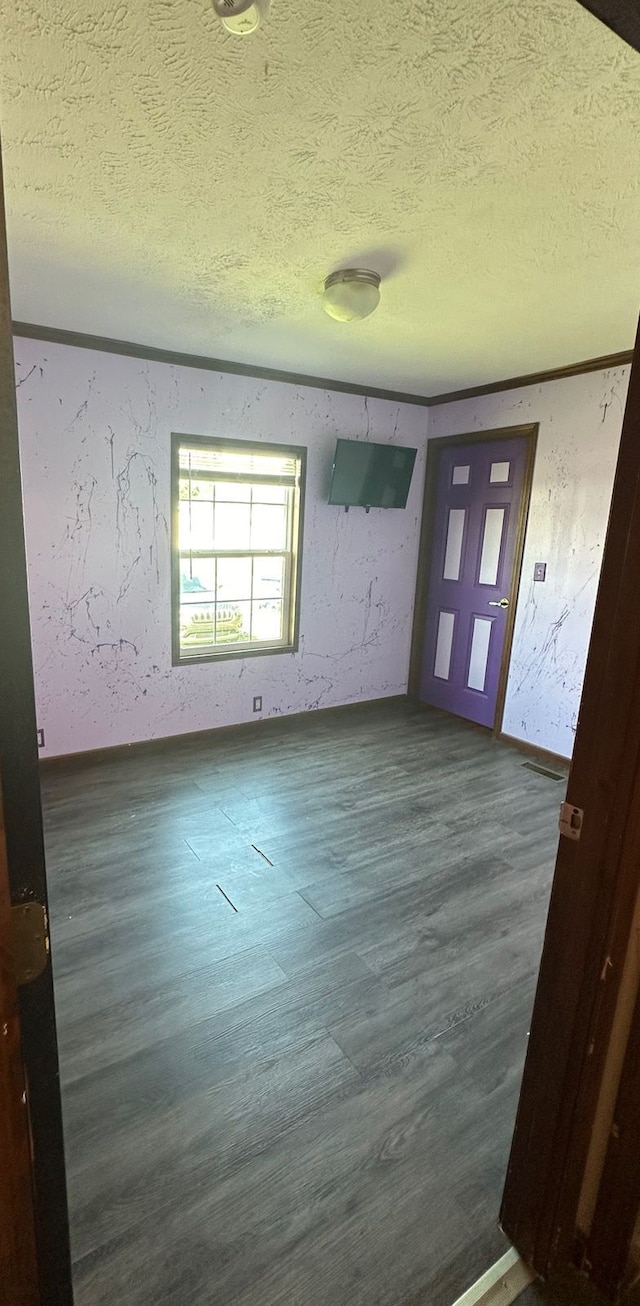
(257, 703)
(41, 739)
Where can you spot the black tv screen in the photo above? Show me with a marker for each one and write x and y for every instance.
(369, 475)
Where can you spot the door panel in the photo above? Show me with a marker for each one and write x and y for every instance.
(480, 492)
(25, 863)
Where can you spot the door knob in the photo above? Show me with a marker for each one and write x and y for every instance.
(498, 603)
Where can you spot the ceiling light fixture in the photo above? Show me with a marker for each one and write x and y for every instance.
(351, 294)
(241, 16)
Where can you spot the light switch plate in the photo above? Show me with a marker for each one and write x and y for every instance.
(539, 571)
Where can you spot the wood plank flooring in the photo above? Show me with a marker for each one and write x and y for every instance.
(294, 969)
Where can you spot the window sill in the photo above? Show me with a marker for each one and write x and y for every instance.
(208, 658)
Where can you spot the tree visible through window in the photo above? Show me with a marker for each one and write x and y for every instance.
(237, 513)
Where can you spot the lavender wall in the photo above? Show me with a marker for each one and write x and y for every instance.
(580, 423)
(94, 432)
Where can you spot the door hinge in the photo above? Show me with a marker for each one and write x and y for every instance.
(29, 941)
(571, 819)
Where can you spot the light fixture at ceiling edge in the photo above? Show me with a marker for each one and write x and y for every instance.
(351, 294)
(241, 17)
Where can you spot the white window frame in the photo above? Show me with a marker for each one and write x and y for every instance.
(291, 555)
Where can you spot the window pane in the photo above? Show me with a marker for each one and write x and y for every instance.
(196, 525)
(234, 579)
(184, 527)
(268, 577)
(270, 493)
(268, 527)
(196, 625)
(232, 623)
(232, 526)
(267, 620)
(200, 490)
(232, 492)
(197, 580)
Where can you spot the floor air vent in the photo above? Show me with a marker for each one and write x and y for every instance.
(543, 770)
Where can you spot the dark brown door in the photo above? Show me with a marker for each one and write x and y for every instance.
(18, 1265)
(34, 1236)
(592, 904)
(590, 917)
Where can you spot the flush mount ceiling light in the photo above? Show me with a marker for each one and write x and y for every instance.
(351, 294)
(241, 16)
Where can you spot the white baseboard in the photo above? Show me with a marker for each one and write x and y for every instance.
(501, 1284)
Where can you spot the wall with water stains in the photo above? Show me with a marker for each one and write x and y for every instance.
(95, 444)
(580, 423)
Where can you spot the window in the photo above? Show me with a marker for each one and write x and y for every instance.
(237, 534)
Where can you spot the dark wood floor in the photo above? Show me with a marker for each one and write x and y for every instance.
(294, 969)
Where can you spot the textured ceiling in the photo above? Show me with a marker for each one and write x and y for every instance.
(173, 185)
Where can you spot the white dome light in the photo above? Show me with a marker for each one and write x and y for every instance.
(241, 16)
(351, 294)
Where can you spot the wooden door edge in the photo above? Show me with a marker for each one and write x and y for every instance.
(594, 880)
(618, 1200)
(19, 782)
(18, 1256)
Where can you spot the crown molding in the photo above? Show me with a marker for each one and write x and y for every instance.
(602, 364)
(104, 344)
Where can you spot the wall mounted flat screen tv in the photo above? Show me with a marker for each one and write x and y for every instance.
(369, 475)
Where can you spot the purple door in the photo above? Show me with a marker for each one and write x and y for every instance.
(479, 497)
